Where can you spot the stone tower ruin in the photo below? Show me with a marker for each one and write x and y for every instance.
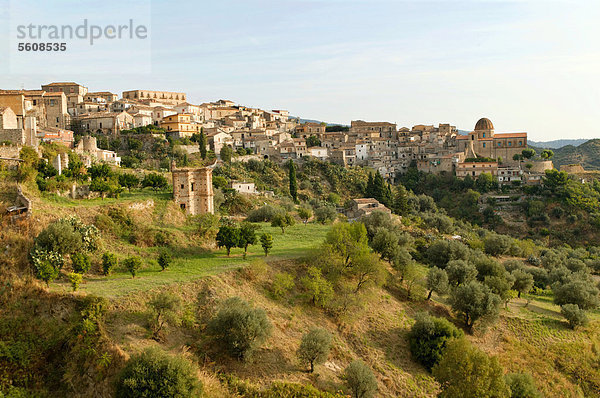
(193, 189)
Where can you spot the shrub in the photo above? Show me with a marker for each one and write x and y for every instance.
(75, 279)
(282, 284)
(325, 214)
(465, 371)
(263, 214)
(81, 262)
(46, 265)
(155, 374)
(59, 237)
(522, 385)
(132, 264)
(304, 213)
(109, 262)
(574, 315)
(239, 328)
(164, 258)
(360, 379)
(428, 337)
(314, 347)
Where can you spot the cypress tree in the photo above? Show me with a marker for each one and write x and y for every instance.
(369, 191)
(401, 201)
(379, 188)
(202, 144)
(293, 182)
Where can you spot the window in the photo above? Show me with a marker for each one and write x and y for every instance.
(520, 143)
(483, 135)
(192, 186)
(181, 186)
(182, 206)
(484, 144)
(499, 144)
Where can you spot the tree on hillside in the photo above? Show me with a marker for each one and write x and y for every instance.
(474, 300)
(155, 181)
(129, 181)
(428, 337)
(401, 205)
(226, 153)
(314, 347)
(523, 281)
(547, 154)
(460, 271)
(318, 289)
(164, 309)
(202, 144)
(266, 241)
(555, 179)
(347, 241)
(247, 236)
(528, 153)
(228, 237)
(360, 379)
(293, 182)
(283, 221)
(464, 371)
(437, 281)
(239, 328)
(304, 213)
(577, 289)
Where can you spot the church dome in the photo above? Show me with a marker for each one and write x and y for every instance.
(484, 124)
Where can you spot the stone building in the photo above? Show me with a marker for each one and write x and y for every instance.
(484, 142)
(166, 97)
(193, 189)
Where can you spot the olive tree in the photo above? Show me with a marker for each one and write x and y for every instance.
(473, 301)
(437, 281)
(360, 379)
(428, 337)
(314, 347)
(239, 328)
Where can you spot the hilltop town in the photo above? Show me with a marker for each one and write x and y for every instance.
(64, 112)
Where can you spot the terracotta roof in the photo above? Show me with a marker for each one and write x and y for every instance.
(62, 84)
(510, 135)
(366, 200)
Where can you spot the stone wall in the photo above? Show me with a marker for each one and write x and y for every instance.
(14, 136)
(572, 168)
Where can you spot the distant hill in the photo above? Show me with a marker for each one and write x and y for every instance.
(588, 154)
(555, 144)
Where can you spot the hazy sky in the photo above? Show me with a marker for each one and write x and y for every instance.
(527, 65)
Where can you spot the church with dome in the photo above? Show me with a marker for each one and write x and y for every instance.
(484, 142)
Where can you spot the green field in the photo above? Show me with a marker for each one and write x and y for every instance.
(192, 263)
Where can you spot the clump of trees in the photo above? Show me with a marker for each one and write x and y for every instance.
(164, 309)
(232, 235)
